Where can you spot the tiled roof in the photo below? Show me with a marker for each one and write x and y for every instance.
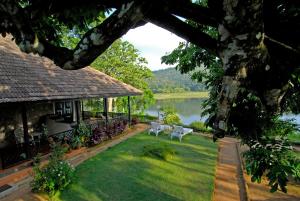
(29, 77)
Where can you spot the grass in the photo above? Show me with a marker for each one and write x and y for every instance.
(189, 94)
(297, 154)
(199, 126)
(144, 118)
(123, 173)
(294, 138)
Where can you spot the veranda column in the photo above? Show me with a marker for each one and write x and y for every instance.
(77, 110)
(82, 110)
(25, 130)
(129, 112)
(105, 110)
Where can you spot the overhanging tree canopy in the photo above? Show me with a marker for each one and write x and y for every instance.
(258, 41)
(258, 44)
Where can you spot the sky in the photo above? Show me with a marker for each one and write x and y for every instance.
(153, 42)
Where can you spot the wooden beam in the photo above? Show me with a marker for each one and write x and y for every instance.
(77, 109)
(25, 129)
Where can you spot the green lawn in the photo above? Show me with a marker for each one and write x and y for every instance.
(295, 138)
(189, 94)
(123, 173)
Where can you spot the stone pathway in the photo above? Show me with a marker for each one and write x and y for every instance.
(233, 184)
(21, 181)
(229, 183)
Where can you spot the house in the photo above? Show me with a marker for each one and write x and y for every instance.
(34, 92)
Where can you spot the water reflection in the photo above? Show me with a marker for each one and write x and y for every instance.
(190, 110)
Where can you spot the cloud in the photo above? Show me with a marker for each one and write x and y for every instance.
(153, 42)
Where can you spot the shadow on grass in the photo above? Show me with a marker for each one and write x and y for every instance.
(122, 173)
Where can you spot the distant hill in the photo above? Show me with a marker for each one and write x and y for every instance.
(170, 80)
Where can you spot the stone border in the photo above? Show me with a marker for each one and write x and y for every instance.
(218, 158)
(242, 168)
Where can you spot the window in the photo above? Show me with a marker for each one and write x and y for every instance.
(64, 109)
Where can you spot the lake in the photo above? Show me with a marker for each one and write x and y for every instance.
(190, 110)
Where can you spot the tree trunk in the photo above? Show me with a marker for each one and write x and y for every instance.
(244, 57)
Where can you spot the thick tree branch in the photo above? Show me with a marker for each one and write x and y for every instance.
(194, 12)
(282, 45)
(182, 29)
(98, 39)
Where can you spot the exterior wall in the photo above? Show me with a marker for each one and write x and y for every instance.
(11, 118)
(36, 112)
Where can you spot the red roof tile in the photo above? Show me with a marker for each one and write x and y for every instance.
(29, 77)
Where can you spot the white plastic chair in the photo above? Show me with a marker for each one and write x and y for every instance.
(179, 132)
(155, 128)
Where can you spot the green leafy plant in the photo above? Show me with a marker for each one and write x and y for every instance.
(54, 176)
(37, 159)
(161, 151)
(84, 132)
(170, 116)
(272, 154)
(276, 159)
(75, 142)
(200, 126)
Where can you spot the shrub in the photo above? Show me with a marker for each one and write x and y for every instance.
(159, 150)
(54, 176)
(98, 135)
(277, 158)
(75, 142)
(170, 116)
(102, 133)
(273, 154)
(200, 126)
(144, 118)
(134, 121)
(172, 119)
(84, 132)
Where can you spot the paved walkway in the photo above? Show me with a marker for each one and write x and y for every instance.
(21, 184)
(229, 185)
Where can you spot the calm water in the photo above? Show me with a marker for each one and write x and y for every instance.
(190, 110)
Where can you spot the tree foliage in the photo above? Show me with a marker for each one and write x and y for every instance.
(268, 136)
(170, 80)
(170, 116)
(257, 43)
(123, 62)
(204, 68)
